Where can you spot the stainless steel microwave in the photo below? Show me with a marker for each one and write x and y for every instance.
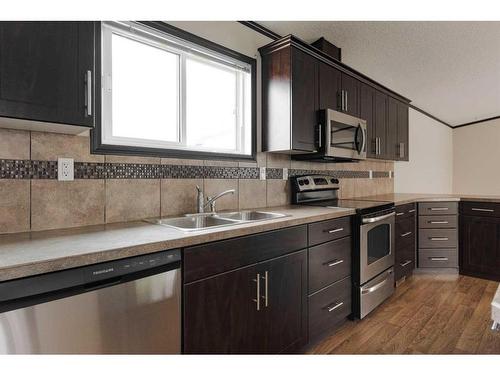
(339, 137)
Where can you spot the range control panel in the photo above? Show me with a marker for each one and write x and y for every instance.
(315, 182)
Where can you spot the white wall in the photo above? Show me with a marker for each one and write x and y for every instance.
(476, 159)
(430, 169)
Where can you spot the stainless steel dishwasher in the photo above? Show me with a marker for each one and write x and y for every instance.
(129, 306)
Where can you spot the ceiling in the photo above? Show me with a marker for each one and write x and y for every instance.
(448, 69)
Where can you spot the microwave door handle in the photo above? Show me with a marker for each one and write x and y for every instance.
(356, 143)
(363, 138)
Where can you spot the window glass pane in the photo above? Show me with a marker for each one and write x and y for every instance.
(144, 91)
(210, 106)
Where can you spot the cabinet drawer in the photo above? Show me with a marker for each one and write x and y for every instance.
(328, 230)
(437, 238)
(438, 221)
(329, 262)
(405, 232)
(405, 210)
(480, 209)
(216, 257)
(405, 262)
(438, 208)
(440, 258)
(329, 307)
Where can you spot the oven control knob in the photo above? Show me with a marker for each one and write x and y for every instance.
(301, 182)
(334, 181)
(306, 182)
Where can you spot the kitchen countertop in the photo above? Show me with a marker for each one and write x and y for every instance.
(404, 198)
(32, 253)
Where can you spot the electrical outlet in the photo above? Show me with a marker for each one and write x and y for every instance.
(262, 173)
(65, 169)
(285, 173)
(370, 174)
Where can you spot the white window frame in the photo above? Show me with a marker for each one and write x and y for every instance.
(185, 50)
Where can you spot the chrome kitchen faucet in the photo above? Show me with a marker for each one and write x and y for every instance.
(210, 200)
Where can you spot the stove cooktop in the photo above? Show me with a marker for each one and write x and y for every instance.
(358, 205)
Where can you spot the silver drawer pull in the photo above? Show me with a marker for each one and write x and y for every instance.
(335, 230)
(411, 211)
(334, 262)
(334, 307)
(439, 208)
(400, 213)
(257, 300)
(438, 222)
(404, 264)
(374, 288)
(266, 288)
(482, 209)
(438, 258)
(438, 238)
(406, 234)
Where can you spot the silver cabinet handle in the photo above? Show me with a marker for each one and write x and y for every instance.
(335, 230)
(439, 209)
(257, 300)
(438, 238)
(438, 222)
(334, 307)
(374, 288)
(406, 234)
(334, 262)
(482, 209)
(341, 100)
(401, 150)
(346, 101)
(411, 211)
(400, 213)
(404, 264)
(438, 258)
(378, 218)
(265, 297)
(319, 136)
(88, 92)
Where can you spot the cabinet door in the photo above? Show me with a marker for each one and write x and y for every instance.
(304, 100)
(351, 86)
(366, 98)
(220, 314)
(380, 121)
(329, 87)
(392, 128)
(480, 246)
(402, 151)
(43, 69)
(285, 324)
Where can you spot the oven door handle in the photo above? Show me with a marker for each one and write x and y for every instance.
(369, 220)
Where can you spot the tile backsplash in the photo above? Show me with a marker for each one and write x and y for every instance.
(111, 189)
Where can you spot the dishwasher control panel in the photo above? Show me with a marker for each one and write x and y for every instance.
(122, 267)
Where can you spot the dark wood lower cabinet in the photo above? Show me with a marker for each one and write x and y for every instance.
(479, 246)
(221, 313)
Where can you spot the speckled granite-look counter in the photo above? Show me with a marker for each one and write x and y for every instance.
(34, 253)
(403, 198)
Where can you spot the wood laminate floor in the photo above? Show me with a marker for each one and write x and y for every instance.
(428, 314)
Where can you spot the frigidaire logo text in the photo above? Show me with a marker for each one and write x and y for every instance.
(103, 271)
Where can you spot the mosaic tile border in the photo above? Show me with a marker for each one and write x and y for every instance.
(43, 169)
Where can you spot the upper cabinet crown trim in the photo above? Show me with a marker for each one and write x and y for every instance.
(291, 40)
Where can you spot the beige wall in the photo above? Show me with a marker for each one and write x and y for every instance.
(476, 159)
(430, 169)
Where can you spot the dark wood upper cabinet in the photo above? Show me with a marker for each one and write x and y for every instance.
(479, 246)
(392, 128)
(221, 313)
(403, 137)
(380, 125)
(44, 68)
(366, 98)
(350, 89)
(330, 83)
(289, 100)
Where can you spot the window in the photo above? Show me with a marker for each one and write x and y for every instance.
(164, 94)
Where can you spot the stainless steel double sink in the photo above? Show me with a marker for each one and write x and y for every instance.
(196, 222)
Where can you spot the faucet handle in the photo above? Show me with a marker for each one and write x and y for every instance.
(198, 188)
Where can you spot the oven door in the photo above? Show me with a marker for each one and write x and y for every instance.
(345, 135)
(376, 245)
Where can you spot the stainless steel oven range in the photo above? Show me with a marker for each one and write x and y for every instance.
(373, 232)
